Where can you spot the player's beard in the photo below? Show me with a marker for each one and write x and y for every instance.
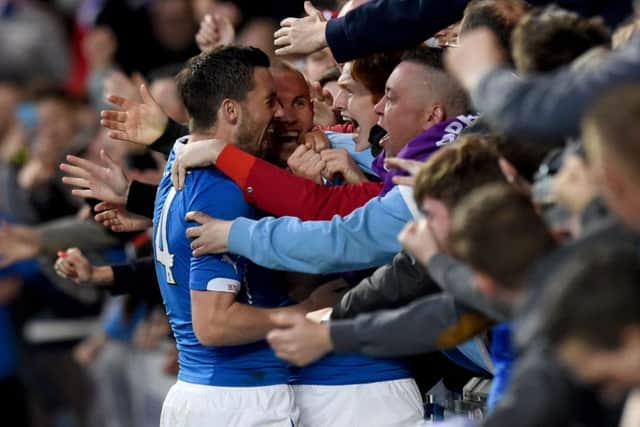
(248, 135)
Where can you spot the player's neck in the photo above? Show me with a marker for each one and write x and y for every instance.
(222, 133)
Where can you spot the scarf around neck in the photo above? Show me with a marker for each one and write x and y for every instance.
(422, 147)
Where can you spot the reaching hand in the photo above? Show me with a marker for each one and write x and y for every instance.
(142, 123)
(478, 54)
(210, 237)
(418, 239)
(118, 219)
(17, 243)
(407, 165)
(301, 35)
(323, 113)
(316, 140)
(299, 340)
(107, 183)
(306, 163)
(339, 161)
(216, 30)
(72, 264)
(320, 316)
(195, 155)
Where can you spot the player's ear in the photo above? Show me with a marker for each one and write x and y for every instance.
(230, 111)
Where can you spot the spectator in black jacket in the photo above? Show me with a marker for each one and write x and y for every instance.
(405, 23)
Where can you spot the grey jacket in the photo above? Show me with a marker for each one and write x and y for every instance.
(431, 323)
(414, 315)
(390, 286)
(552, 105)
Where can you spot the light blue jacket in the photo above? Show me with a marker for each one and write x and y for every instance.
(368, 237)
(363, 158)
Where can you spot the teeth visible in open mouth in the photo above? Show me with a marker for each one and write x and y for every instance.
(348, 119)
(288, 137)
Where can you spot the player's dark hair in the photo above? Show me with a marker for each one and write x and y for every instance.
(211, 77)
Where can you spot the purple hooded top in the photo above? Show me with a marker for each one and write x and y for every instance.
(422, 147)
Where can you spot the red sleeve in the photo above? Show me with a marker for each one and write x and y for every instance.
(280, 193)
(340, 128)
(236, 164)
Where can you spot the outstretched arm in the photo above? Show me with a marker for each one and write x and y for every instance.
(218, 319)
(270, 188)
(390, 286)
(428, 324)
(404, 331)
(72, 264)
(365, 238)
(406, 22)
(280, 193)
(137, 278)
(556, 100)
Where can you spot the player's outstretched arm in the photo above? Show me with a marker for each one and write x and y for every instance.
(219, 320)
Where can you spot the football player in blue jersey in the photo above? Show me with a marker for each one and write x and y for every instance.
(219, 306)
(338, 390)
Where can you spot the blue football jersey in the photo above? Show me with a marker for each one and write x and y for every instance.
(209, 191)
(345, 369)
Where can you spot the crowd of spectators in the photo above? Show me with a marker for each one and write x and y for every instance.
(327, 213)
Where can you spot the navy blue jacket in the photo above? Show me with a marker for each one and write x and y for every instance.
(390, 24)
